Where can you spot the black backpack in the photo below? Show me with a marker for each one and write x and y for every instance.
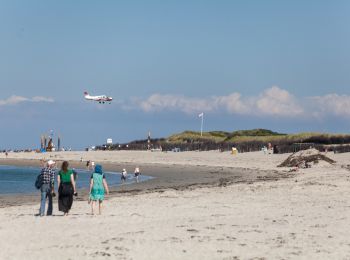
(39, 181)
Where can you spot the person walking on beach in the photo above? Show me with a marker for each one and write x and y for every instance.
(66, 188)
(98, 187)
(47, 187)
(88, 165)
(137, 173)
(123, 176)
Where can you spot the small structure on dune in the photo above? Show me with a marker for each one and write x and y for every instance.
(304, 158)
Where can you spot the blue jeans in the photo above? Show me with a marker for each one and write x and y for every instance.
(46, 193)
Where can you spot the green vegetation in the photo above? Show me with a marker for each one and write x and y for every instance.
(244, 141)
(285, 138)
(255, 135)
(191, 136)
(221, 136)
(256, 132)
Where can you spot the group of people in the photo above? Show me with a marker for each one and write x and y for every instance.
(89, 165)
(270, 149)
(67, 188)
(66, 181)
(124, 175)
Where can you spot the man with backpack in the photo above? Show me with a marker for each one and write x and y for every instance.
(47, 187)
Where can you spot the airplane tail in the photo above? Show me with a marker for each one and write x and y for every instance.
(86, 94)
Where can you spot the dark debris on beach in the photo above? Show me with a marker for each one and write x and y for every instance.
(304, 158)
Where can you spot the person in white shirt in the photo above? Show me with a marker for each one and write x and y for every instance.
(123, 176)
(137, 173)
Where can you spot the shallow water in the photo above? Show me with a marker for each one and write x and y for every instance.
(19, 180)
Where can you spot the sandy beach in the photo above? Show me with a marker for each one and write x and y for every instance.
(201, 205)
(198, 95)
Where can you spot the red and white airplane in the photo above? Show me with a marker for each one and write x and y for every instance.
(100, 99)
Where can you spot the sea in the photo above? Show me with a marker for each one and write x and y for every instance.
(20, 180)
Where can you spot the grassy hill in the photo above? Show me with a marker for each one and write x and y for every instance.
(258, 135)
(184, 137)
(221, 136)
(243, 140)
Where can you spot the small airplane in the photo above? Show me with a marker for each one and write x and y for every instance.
(100, 99)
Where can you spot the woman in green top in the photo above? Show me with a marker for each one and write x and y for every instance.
(66, 188)
(98, 186)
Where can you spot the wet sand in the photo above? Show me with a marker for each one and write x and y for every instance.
(176, 177)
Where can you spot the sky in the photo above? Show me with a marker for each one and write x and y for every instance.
(279, 65)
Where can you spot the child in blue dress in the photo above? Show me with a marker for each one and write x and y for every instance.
(98, 187)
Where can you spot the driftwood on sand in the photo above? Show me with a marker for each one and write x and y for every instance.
(304, 158)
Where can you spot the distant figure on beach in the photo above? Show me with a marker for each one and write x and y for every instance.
(47, 187)
(124, 175)
(137, 173)
(264, 149)
(269, 148)
(98, 187)
(88, 165)
(66, 188)
(6, 154)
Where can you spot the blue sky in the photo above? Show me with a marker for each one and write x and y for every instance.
(281, 65)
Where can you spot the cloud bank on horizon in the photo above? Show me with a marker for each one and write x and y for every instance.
(272, 102)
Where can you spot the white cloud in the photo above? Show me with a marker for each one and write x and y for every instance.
(42, 99)
(158, 102)
(13, 100)
(272, 102)
(233, 103)
(331, 104)
(278, 102)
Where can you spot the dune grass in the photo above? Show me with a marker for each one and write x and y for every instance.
(255, 135)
